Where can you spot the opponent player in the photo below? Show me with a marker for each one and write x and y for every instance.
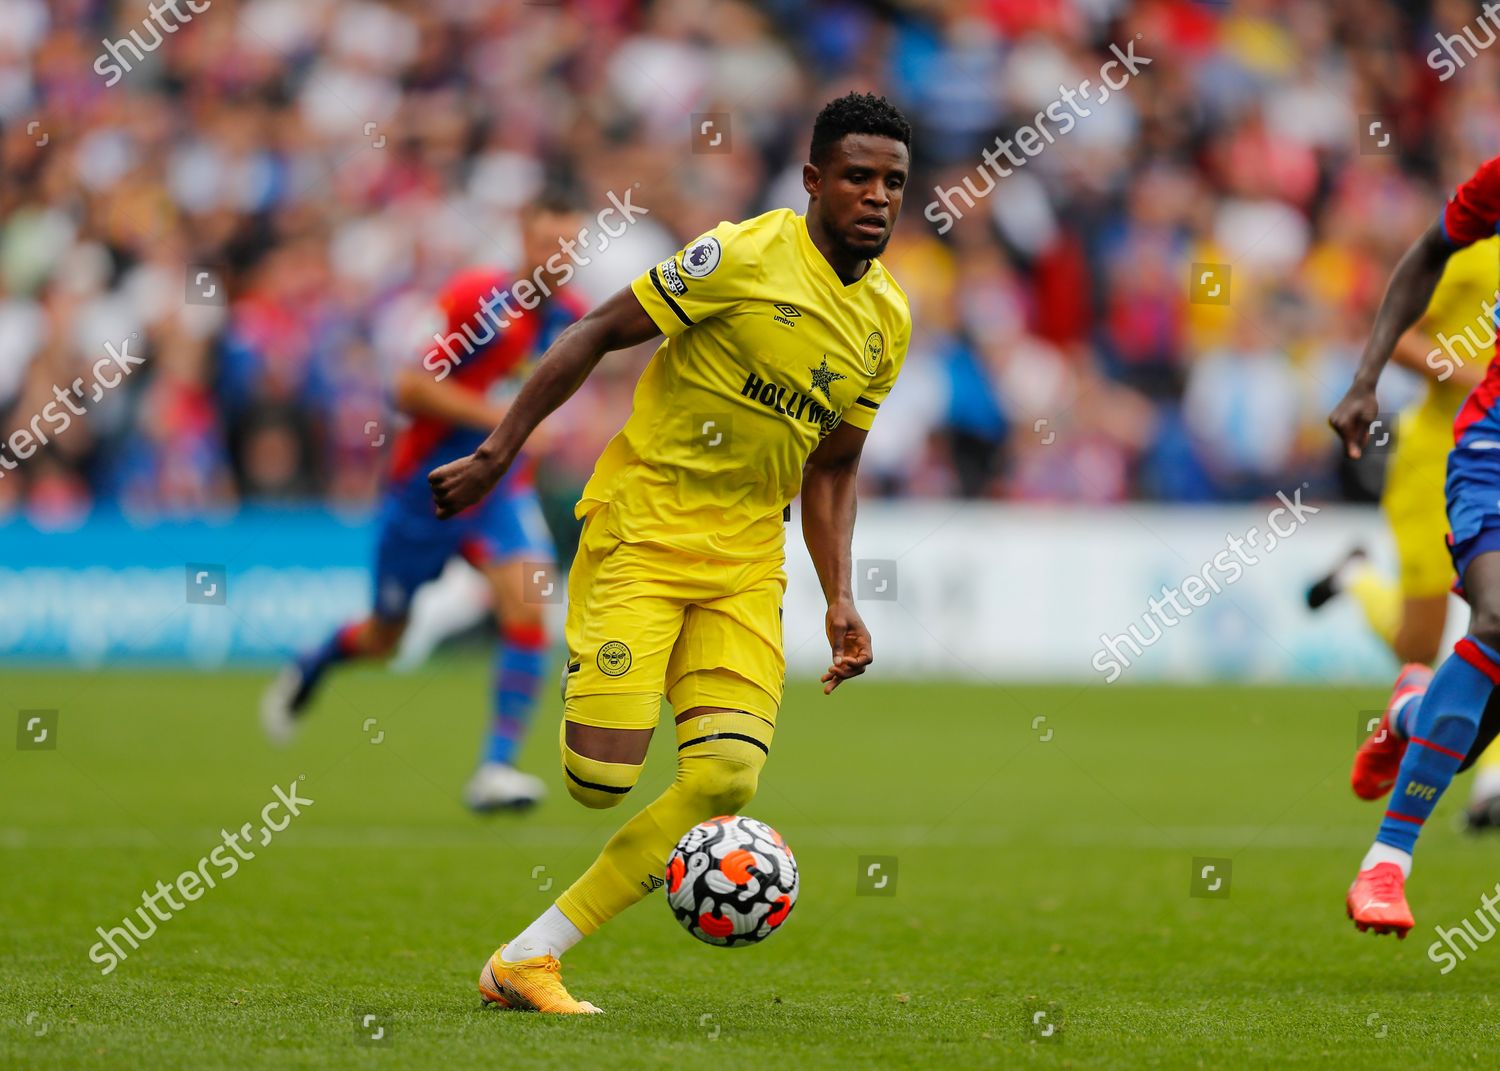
(1409, 613)
(1445, 723)
(1450, 347)
(494, 326)
(783, 336)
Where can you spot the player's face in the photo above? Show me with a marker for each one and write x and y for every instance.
(541, 232)
(858, 192)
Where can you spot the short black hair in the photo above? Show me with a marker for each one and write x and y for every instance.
(554, 199)
(856, 113)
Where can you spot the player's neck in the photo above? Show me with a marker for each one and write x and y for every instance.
(848, 268)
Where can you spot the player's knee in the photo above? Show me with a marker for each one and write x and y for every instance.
(597, 785)
(381, 636)
(601, 764)
(524, 614)
(722, 786)
(1485, 626)
(1417, 648)
(720, 754)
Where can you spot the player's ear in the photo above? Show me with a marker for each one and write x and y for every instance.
(811, 177)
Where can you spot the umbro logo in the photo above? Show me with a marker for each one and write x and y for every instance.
(656, 883)
(786, 313)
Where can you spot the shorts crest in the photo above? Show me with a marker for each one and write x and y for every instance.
(614, 659)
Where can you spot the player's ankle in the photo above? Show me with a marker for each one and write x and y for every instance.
(1399, 712)
(552, 934)
(1387, 853)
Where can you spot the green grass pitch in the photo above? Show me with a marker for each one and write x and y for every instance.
(1040, 869)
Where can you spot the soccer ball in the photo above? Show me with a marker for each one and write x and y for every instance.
(731, 881)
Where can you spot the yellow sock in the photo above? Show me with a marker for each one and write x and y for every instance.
(1380, 599)
(719, 758)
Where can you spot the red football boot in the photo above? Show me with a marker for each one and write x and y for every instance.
(1377, 901)
(1379, 757)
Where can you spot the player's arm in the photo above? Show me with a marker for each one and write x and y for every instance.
(828, 506)
(1406, 298)
(1471, 214)
(1414, 352)
(617, 324)
(417, 393)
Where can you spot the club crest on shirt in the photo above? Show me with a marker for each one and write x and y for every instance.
(874, 350)
(701, 257)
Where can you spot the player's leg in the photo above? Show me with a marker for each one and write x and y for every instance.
(405, 559)
(455, 601)
(611, 705)
(287, 697)
(1354, 574)
(601, 764)
(514, 540)
(1419, 638)
(1416, 642)
(1425, 569)
(1414, 507)
(1440, 729)
(725, 722)
(720, 753)
(1378, 760)
(520, 663)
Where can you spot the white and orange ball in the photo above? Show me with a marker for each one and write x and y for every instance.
(731, 881)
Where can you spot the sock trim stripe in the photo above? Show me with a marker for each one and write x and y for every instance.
(1439, 748)
(346, 639)
(533, 637)
(1405, 818)
(1470, 652)
(596, 787)
(725, 736)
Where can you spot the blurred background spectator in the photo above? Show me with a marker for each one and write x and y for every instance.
(327, 163)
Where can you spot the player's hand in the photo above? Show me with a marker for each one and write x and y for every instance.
(459, 484)
(850, 642)
(1352, 418)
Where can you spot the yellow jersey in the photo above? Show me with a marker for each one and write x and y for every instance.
(1458, 318)
(766, 352)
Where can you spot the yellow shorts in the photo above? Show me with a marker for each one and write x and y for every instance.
(1415, 505)
(643, 618)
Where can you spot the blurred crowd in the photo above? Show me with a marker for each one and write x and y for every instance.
(265, 196)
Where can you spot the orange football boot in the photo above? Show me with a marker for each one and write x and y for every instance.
(1377, 901)
(533, 984)
(1379, 757)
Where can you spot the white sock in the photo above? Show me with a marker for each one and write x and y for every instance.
(1399, 710)
(1384, 853)
(550, 935)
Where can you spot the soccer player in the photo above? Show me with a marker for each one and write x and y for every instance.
(1428, 734)
(783, 336)
(494, 326)
(1450, 347)
(1410, 611)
